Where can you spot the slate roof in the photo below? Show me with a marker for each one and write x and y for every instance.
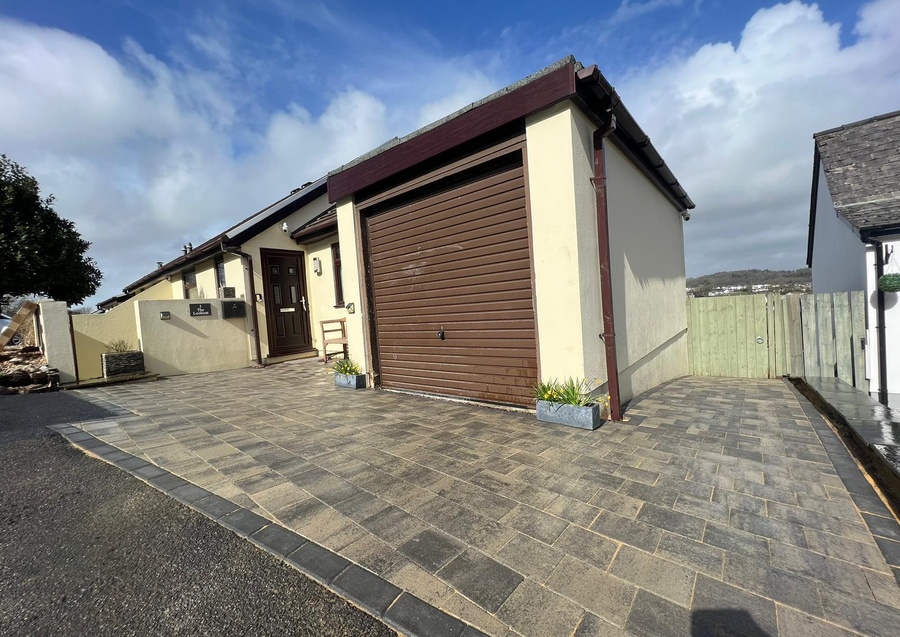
(862, 168)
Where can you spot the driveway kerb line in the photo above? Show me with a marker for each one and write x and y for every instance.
(822, 429)
(423, 620)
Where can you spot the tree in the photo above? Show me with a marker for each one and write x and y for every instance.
(40, 252)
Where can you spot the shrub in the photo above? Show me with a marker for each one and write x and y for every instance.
(347, 366)
(889, 283)
(119, 345)
(571, 391)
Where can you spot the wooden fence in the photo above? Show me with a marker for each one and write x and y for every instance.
(767, 335)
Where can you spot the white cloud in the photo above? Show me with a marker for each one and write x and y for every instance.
(735, 122)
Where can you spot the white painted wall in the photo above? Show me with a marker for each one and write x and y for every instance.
(53, 324)
(891, 324)
(838, 263)
(648, 278)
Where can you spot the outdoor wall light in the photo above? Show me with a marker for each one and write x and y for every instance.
(284, 227)
(317, 265)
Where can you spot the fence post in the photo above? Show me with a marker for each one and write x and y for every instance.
(858, 336)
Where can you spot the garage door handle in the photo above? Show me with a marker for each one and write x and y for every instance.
(441, 334)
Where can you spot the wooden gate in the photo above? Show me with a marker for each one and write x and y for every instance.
(767, 336)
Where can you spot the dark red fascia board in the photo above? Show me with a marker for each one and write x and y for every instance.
(521, 102)
(318, 230)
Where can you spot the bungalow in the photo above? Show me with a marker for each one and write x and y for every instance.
(854, 228)
(535, 234)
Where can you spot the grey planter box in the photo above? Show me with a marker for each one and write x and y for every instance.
(353, 381)
(118, 363)
(570, 415)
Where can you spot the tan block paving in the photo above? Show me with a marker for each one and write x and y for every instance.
(280, 496)
(422, 584)
(604, 595)
(213, 450)
(666, 579)
(471, 613)
(535, 610)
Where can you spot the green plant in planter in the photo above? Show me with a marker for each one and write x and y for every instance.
(568, 392)
(348, 367)
(889, 283)
(119, 345)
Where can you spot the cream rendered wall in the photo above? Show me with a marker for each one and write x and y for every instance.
(206, 279)
(838, 253)
(320, 289)
(235, 276)
(348, 230)
(185, 344)
(94, 331)
(648, 278)
(564, 244)
(177, 283)
(273, 238)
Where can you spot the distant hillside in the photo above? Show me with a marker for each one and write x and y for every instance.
(752, 277)
(751, 281)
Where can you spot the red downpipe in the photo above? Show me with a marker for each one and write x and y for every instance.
(606, 297)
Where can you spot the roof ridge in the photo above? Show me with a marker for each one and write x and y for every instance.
(862, 122)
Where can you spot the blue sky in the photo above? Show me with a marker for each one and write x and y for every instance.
(159, 123)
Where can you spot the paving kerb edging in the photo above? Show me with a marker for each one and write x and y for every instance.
(879, 519)
(374, 595)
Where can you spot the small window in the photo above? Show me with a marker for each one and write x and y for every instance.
(220, 273)
(293, 295)
(190, 284)
(275, 270)
(276, 292)
(338, 283)
(292, 271)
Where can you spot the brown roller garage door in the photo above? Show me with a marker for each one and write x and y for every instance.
(451, 289)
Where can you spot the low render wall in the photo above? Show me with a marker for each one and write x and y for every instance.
(186, 344)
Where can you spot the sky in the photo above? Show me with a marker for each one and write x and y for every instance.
(155, 124)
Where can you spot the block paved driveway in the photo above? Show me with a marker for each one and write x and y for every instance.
(714, 510)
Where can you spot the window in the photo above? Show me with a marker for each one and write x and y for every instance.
(338, 284)
(190, 284)
(220, 274)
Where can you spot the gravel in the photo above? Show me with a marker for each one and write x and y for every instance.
(86, 549)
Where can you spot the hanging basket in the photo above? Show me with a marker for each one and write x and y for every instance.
(889, 283)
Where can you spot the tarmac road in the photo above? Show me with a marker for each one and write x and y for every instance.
(86, 549)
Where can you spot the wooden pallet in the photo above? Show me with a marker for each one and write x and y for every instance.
(21, 316)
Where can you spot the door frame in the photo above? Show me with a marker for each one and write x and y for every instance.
(264, 255)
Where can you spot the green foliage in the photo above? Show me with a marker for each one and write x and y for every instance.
(889, 283)
(751, 278)
(571, 391)
(347, 366)
(42, 252)
(119, 345)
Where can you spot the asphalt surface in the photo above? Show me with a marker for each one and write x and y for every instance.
(86, 549)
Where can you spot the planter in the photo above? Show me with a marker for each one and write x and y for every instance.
(352, 381)
(889, 283)
(570, 415)
(118, 363)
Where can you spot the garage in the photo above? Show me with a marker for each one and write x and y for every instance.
(451, 285)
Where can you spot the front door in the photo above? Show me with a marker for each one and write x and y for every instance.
(287, 308)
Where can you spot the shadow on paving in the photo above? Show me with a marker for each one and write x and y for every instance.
(85, 549)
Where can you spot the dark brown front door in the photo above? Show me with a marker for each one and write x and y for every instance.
(287, 307)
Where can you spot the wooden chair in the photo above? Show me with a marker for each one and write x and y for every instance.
(334, 332)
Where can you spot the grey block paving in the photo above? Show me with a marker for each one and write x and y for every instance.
(718, 507)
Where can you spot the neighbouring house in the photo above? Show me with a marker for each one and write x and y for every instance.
(854, 231)
(535, 234)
